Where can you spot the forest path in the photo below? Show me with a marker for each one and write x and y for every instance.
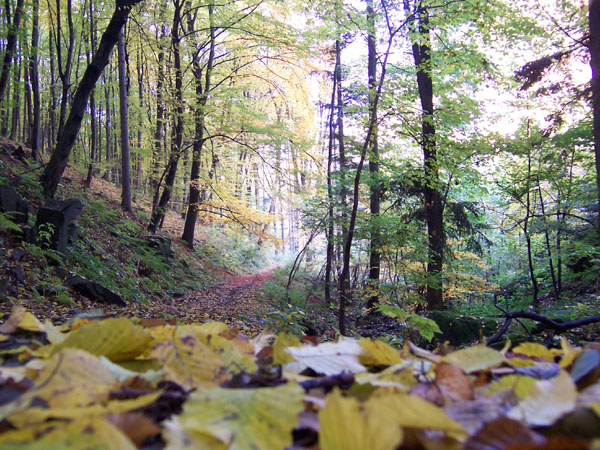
(238, 301)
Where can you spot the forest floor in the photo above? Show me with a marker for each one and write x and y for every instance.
(203, 289)
(238, 301)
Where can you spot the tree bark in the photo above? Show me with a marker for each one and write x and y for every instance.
(199, 119)
(11, 45)
(158, 214)
(35, 83)
(93, 130)
(594, 47)
(124, 112)
(375, 197)
(421, 50)
(64, 75)
(60, 156)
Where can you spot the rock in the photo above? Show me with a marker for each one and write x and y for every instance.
(175, 294)
(18, 274)
(29, 234)
(94, 291)
(459, 330)
(162, 244)
(55, 218)
(18, 254)
(11, 202)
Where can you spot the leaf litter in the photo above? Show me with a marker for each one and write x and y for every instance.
(125, 383)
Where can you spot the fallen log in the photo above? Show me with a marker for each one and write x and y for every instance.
(553, 324)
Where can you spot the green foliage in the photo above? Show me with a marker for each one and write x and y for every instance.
(6, 224)
(426, 327)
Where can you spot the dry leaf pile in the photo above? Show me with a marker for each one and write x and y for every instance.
(124, 383)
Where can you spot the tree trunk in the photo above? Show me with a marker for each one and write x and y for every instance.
(64, 74)
(330, 229)
(158, 215)
(594, 46)
(93, 130)
(124, 112)
(60, 156)
(534, 283)
(160, 115)
(11, 45)
(421, 50)
(199, 119)
(16, 100)
(375, 197)
(35, 83)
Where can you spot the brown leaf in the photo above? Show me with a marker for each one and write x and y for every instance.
(135, 426)
(453, 382)
(502, 434)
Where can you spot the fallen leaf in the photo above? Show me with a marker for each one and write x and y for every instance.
(378, 353)
(135, 426)
(79, 434)
(330, 358)
(473, 359)
(244, 419)
(20, 318)
(521, 385)
(117, 339)
(189, 362)
(547, 402)
(343, 425)
(453, 382)
(283, 341)
(534, 350)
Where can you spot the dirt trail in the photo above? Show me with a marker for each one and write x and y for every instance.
(238, 301)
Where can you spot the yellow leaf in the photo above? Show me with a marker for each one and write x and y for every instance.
(399, 376)
(534, 350)
(377, 353)
(569, 353)
(244, 418)
(413, 412)
(117, 339)
(72, 378)
(189, 362)
(520, 384)
(20, 318)
(35, 415)
(284, 340)
(81, 434)
(472, 359)
(53, 333)
(594, 406)
(344, 426)
(547, 402)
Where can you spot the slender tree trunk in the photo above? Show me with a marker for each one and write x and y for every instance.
(60, 156)
(159, 132)
(343, 192)
(93, 130)
(35, 83)
(548, 248)
(375, 197)
(534, 283)
(421, 50)
(199, 118)
(594, 47)
(159, 212)
(11, 45)
(330, 229)
(16, 101)
(124, 112)
(64, 74)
